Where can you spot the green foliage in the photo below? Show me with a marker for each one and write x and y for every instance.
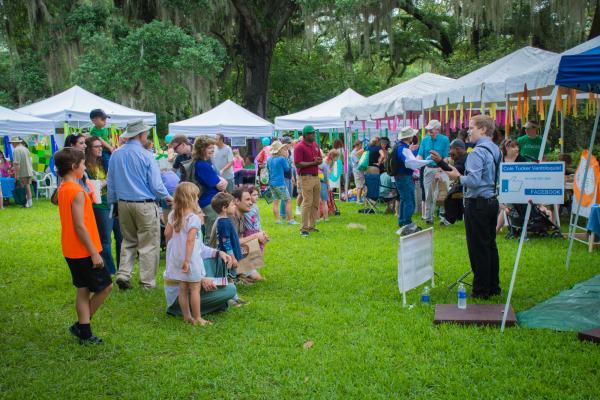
(338, 288)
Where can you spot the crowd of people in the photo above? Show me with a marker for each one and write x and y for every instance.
(196, 205)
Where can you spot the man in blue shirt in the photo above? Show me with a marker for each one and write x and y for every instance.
(481, 206)
(134, 185)
(433, 176)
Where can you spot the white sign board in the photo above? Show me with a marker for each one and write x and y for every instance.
(542, 183)
(415, 261)
(238, 141)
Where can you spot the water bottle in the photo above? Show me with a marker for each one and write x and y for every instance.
(425, 296)
(462, 296)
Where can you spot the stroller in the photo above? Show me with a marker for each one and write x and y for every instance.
(539, 224)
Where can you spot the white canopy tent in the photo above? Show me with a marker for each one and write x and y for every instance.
(323, 116)
(227, 118)
(396, 100)
(487, 84)
(13, 123)
(73, 106)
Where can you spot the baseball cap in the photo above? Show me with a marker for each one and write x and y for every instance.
(434, 123)
(95, 113)
(286, 140)
(308, 129)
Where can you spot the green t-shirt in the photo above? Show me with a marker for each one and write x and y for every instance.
(530, 147)
(101, 133)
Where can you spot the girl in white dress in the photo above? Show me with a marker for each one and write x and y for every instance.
(185, 250)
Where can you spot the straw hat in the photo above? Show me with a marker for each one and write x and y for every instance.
(407, 132)
(276, 147)
(15, 139)
(134, 128)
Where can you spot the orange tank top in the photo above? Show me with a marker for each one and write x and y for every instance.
(72, 246)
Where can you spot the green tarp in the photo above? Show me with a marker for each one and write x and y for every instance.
(576, 309)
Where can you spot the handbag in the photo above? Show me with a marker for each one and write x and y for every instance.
(253, 259)
(363, 162)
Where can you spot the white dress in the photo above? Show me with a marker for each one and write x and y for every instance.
(176, 252)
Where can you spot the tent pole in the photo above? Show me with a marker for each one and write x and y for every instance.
(346, 161)
(526, 221)
(585, 175)
(562, 132)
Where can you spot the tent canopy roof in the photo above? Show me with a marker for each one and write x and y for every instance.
(544, 76)
(325, 115)
(488, 83)
(13, 123)
(74, 106)
(396, 100)
(227, 118)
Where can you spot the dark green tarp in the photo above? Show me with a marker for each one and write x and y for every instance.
(576, 309)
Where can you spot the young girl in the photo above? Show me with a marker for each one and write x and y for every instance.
(185, 251)
(81, 245)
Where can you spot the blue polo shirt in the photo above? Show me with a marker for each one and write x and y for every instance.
(441, 144)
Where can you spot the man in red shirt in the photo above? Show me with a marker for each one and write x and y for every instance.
(307, 158)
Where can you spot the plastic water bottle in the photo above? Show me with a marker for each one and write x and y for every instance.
(425, 296)
(462, 296)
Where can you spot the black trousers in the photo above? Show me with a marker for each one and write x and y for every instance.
(480, 223)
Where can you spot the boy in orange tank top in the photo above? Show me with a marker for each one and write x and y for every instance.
(81, 243)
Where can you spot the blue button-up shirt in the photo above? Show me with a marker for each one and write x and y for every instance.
(480, 169)
(133, 175)
(441, 144)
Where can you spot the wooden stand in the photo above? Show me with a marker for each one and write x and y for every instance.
(474, 314)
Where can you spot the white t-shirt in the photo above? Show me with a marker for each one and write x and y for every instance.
(220, 158)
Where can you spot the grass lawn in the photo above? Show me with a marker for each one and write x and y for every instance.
(337, 289)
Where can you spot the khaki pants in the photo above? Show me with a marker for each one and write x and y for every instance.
(432, 191)
(311, 195)
(140, 225)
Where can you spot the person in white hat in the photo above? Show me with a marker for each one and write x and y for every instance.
(433, 175)
(405, 162)
(23, 167)
(134, 184)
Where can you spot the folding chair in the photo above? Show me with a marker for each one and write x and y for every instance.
(372, 197)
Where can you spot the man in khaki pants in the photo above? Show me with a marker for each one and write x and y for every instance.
(307, 158)
(134, 184)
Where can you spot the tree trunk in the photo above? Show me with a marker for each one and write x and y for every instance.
(259, 27)
(257, 63)
(595, 29)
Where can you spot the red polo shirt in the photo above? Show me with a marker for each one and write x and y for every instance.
(305, 152)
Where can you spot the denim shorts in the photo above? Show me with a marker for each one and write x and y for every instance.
(280, 193)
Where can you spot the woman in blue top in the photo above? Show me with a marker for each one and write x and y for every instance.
(207, 177)
(278, 165)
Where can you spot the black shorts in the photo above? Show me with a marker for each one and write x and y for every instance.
(85, 276)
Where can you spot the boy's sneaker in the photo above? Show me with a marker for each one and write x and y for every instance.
(123, 284)
(298, 212)
(444, 221)
(292, 222)
(278, 222)
(91, 340)
(304, 234)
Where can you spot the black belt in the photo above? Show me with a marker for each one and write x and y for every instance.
(139, 201)
(309, 174)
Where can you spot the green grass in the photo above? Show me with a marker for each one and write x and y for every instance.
(337, 288)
